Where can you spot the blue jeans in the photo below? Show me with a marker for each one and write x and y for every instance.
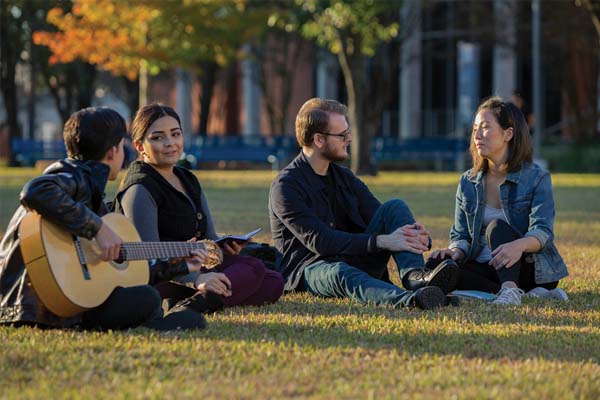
(365, 278)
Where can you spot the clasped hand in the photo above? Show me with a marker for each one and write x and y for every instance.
(412, 237)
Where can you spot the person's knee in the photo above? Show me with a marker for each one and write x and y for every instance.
(274, 281)
(395, 205)
(255, 265)
(496, 224)
(498, 232)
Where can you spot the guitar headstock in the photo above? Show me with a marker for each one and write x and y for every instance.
(215, 254)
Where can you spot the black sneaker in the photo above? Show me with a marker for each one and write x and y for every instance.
(445, 276)
(429, 297)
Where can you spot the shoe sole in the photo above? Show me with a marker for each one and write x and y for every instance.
(430, 297)
(447, 276)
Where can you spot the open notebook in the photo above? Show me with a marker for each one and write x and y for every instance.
(237, 238)
(473, 294)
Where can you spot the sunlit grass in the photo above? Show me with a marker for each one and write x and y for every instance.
(307, 347)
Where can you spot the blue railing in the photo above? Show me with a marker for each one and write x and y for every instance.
(276, 150)
(28, 151)
(441, 150)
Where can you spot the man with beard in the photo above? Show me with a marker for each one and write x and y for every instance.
(334, 238)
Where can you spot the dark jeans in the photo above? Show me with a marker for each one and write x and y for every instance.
(365, 278)
(484, 277)
(251, 283)
(125, 308)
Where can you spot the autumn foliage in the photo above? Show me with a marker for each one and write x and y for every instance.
(118, 35)
(106, 33)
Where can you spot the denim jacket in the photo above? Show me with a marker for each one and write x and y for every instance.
(528, 205)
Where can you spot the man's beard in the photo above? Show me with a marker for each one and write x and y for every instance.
(330, 155)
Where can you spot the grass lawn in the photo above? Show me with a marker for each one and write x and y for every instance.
(308, 347)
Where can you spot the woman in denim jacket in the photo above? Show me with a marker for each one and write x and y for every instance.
(502, 235)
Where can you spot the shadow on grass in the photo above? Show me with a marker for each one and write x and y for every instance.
(582, 310)
(512, 343)
(540, 329)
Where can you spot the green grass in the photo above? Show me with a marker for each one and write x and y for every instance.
(307, 347)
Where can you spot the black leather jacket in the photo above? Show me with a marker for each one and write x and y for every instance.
(69, 193)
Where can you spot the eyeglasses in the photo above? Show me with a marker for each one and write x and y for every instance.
(344, 135)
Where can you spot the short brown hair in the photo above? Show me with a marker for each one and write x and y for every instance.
(313, 117)
(520, 147)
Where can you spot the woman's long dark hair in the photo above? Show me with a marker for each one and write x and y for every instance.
(520, 147)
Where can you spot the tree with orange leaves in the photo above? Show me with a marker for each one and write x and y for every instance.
(126, 37)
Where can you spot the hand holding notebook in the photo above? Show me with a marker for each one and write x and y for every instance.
(222, 240)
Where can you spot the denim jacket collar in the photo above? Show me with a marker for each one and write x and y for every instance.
(513, 177)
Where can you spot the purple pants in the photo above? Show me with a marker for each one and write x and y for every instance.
(252, 283)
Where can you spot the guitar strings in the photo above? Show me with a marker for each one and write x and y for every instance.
(157, 250)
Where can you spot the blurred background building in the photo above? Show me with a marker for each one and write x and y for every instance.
(425, 80)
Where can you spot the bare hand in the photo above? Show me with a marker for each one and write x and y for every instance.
(506, 255)
(455, 254)
(405, 238)
(232, 248)
(419, 230)
(196, 260)
(215, 282)
(108, 242)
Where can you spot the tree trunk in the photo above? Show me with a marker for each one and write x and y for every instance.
(232, 106)
(9, 94)
(207, 80)
(354, 71)
(85, 85)
(8, 62)
(133, 95)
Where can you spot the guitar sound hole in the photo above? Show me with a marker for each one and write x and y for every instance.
(119, 264)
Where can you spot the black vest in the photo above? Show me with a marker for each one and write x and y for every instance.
(177, 219)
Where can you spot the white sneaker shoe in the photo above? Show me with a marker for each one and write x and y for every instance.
(543, 293)
(539, 292)
(559, 294)
(509, 296)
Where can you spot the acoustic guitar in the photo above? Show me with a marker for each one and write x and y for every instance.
(68, 275)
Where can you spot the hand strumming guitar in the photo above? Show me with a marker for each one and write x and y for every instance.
(108, 242)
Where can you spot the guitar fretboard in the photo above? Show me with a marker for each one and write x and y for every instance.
(153, 250)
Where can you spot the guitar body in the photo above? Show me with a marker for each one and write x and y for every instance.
(64, 283)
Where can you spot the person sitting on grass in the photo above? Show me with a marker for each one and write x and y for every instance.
(70, 194)
(334, 237)
(166, 203)
(503, 237)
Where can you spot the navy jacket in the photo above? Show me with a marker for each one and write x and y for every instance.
(302, 223)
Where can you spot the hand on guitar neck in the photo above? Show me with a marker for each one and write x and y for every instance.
(108, 242)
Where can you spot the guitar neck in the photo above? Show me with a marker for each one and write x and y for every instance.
(157, 250)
